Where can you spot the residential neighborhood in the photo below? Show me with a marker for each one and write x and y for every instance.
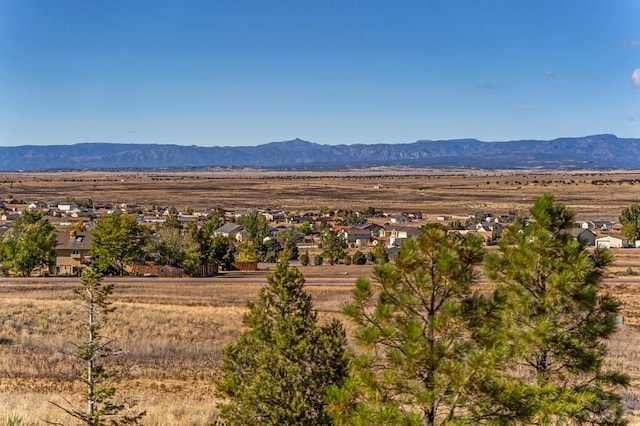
(361, 231)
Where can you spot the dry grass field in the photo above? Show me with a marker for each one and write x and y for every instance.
(172, 331)
(456, 192)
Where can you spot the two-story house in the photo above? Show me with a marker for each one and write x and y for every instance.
(73, 251)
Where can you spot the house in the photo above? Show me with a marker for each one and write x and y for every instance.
(599, 225)
(585, 235)
(412, 214)
(104, 206)
(397, 236)
(85, 214)
(239, 213)
(374, 228)
(73, 252)
(604, 225)
(612, 241)
(403, 232)
(356, 235)
(586, 224)
(479, 215)
(68, 207)
(300, 219)
(38, 205)
(9, 217)
(400, 219)
(216, 211)
(230, 230)
(489, 231)
(273, 216)
(505, 218)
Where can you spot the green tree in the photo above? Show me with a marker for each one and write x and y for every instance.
(380, 254)
(212, 223)
(370, 211)
(551, 319)
(30, 244)
(455, 225)
(306, 228)
(255, 227)
(292, 248)
(304, 258)
(291, 234)
(291, 238)
(278, 370)
(333, 246)
(371, 257)
(247, 252)
(171, 219)
(269, 250)
(118, 241)
(416, 363)
(221, 250)
(353, 218)
(175, 246)
(630, 220)
(214, 248)
(359, 258)
(102, 409)
(258, 234)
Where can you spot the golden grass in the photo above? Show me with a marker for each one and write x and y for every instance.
(172, 334)
(594, 195)
(172, 331)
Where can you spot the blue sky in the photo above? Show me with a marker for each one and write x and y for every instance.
(239, 72)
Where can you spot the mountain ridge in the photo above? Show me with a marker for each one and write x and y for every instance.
(595, 151)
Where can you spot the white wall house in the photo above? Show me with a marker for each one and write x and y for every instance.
(612, 241)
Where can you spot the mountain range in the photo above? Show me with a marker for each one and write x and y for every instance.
(589, 152)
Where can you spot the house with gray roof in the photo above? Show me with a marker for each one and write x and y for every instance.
(230, 230)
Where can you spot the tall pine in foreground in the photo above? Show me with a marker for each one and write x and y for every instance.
(101, 406)
(550, 315)
(415, 363)
(278, 370)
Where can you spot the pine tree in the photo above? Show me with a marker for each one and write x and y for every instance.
(278, 370)
(102, 409)
(416, 364)
(550, 316)
(333, 246)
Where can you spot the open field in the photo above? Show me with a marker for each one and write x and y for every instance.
(594, 195)
(172, 331)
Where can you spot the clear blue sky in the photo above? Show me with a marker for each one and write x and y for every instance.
(238, 72)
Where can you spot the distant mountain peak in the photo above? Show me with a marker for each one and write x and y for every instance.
(587, 152)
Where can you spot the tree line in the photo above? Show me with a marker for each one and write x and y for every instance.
(119, 240)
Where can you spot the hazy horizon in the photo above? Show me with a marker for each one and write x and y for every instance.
(318, 143)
